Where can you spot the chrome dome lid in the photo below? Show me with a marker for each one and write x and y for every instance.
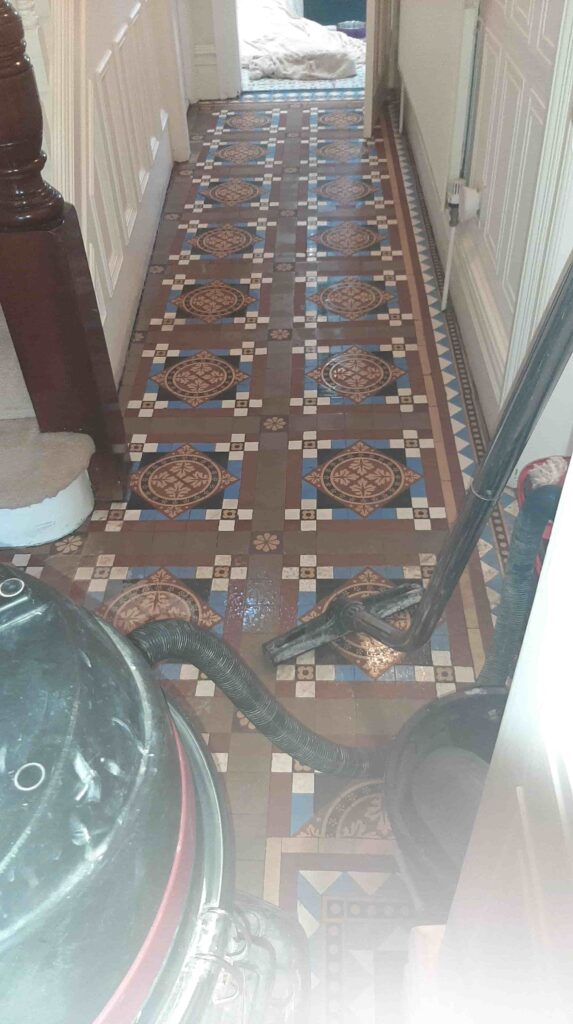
(90, 802)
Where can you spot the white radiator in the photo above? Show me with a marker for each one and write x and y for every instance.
(436, 55)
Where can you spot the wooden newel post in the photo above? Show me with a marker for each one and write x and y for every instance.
(46, 291)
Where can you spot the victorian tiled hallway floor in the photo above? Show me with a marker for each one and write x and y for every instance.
(300, 422)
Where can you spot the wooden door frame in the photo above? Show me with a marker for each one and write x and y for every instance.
(382, 18)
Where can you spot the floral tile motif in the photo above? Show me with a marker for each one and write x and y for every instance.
(206, 241)
(160, 595)
(371, 656)
(213, 301)
(263, 154)
(321, 237)
(365, 375)
(234, 192)
(200, 378)
(343, 479)
(249, 121)
(242, 153)
(193, 301)
(362, 478)
(378, 297)
(179, 480)
(224, 240)
(215, 193)
(227, 143)
(210, 379)
(204, 482)
(349, 190)
(341, 119)
(269, 122)
(348, 237)
(342, 151)
(356, 374)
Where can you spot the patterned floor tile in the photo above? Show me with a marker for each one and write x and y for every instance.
(195, 301)
(365, 191)
(350, 237)
(333, 480)
(382, 296)
(339, 376)
(201, 482)
(216, 379)
(221, 241)
(251, 533)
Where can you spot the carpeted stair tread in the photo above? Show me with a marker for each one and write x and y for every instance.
(35, 466)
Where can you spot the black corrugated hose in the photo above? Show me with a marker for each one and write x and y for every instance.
(179, 641)
(518, 588)
(175, 640)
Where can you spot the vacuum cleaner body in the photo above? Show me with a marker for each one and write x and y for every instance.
(116, 861)
(91, 807)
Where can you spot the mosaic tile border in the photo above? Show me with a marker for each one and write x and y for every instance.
(469, 432)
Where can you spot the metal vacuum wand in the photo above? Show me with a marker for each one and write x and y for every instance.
(548, 355)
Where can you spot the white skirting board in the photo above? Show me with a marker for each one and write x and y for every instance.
(48, 520)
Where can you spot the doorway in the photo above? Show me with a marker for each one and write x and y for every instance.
(294, 46)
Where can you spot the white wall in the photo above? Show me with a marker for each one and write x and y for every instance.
(506, 953)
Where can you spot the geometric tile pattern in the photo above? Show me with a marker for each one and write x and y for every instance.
(200, 378)
(176, 481)
(193, 301)
(362, 375)
(158, 596)
(230, 193)
(212, 379)
(248, 534)
(373, 479)
(380, 296)
(345, 191)
(352, 299)
(200, 482)
(362, 478)
(459, 390)
(356, 374)
(356, 658)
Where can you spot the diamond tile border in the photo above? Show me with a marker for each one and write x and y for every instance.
(466, 427)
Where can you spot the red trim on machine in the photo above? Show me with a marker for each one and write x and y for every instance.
(131, 995)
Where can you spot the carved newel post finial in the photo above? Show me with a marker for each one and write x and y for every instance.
(27, 202)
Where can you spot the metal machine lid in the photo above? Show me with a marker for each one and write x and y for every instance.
(78, 731)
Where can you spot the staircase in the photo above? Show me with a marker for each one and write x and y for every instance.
(60, 425)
